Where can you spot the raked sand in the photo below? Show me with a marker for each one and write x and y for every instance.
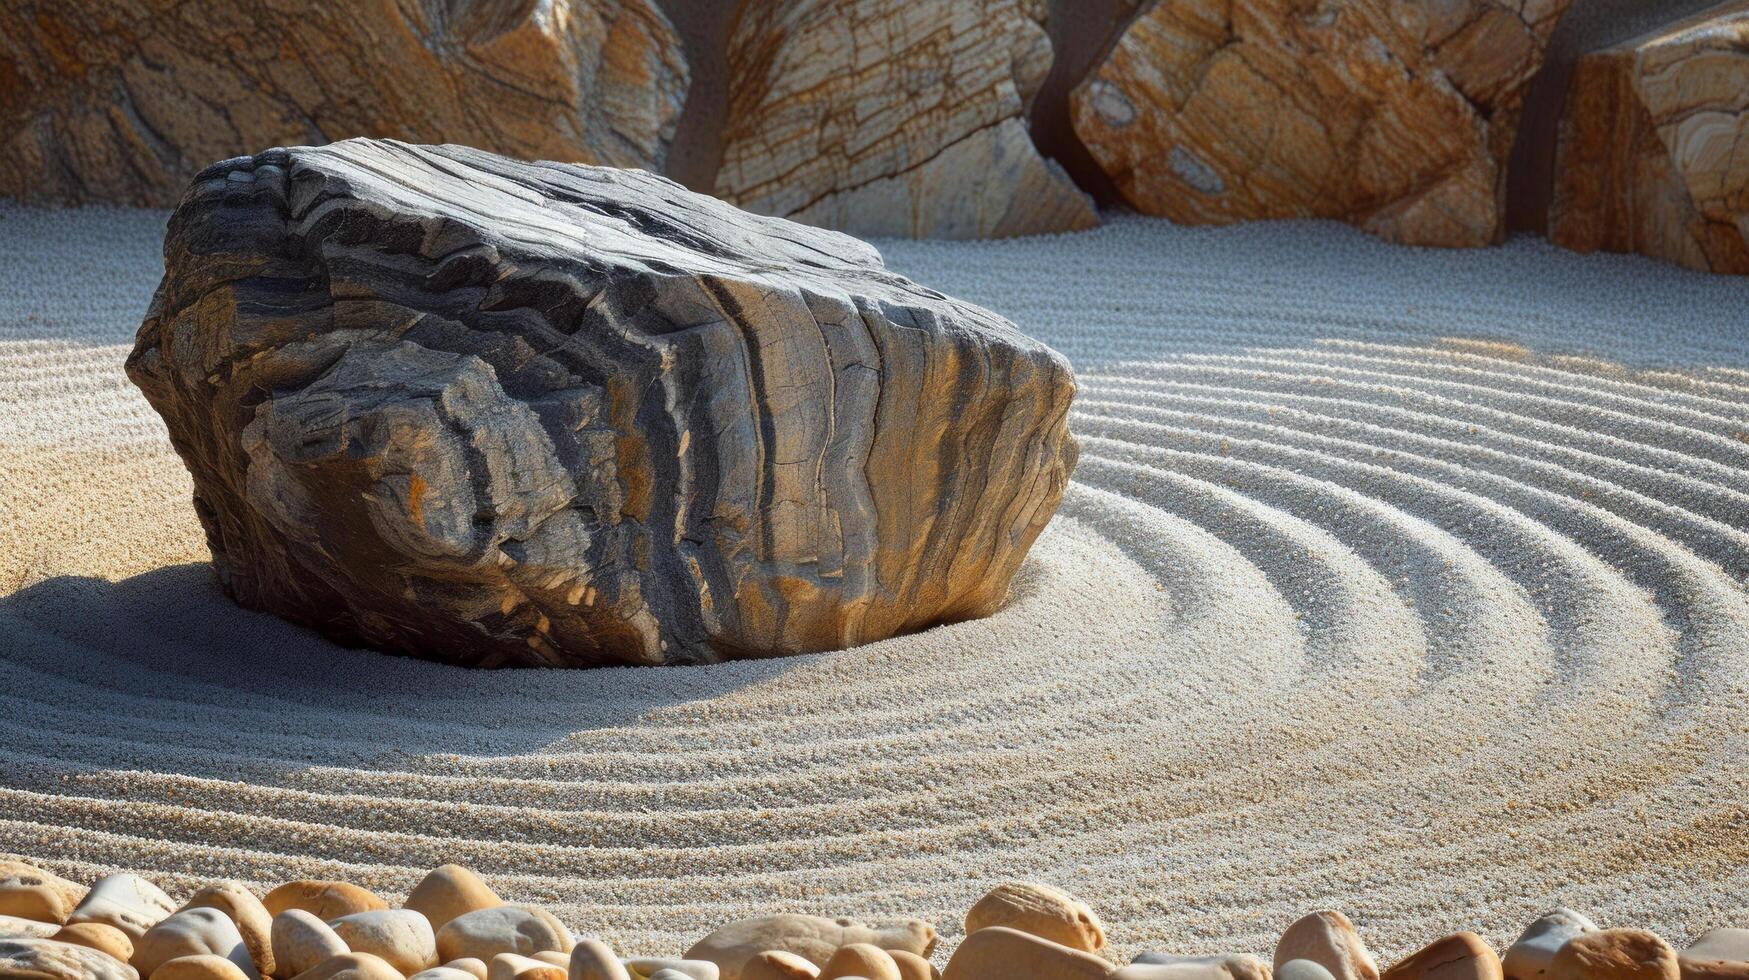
(1406, 582)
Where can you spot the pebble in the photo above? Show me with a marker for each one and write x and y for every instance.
(646, 967)
(470, 965)
(484, 933)
(33, 958)
(1615, 954)
(443, 973)
(513, 966)
(67, 894)
(1463, 956)
(98, 936)
(1529, 956)
(200, 966)
(1328, 939)
(860, 960)
(12, 925)
(775, 964)
(326, 900)
(402, 937)
(192, 932)
(813, 937)
(30, 896)
(128, 902)
(1002, 953)
(249, 914)
(1302, 970)
(351, 966)
(1168, 966)
(911, 966)
(302, 942)
(592, 959)
(1041, 910)
(1722, 954)
(450, 891)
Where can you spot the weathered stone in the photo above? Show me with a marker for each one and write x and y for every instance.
(554, 957)
(302, 942)
(444, 973)
(29, 958)
(1302, 970)
(484, 933)
(647, 967)
(911, 966)
(99, 936)
(470, 965)
(814, 938)
(13, 925)
(1615, 954)
(1529, 956)
(1397, 117)
(1167, 966)
(1648, 156)
(199, 966)
(893, 117)
(511, 966)
(325, 900)
(29, 877)
(592, 959)
(124, 100)
(1722, 954)
(860, 960)
(1040, 910)
(31, 896)
(1463, 956)
(351, 966)
(402, 937)
(1329, 940)
(450, 891)
(249, 914)
(128, 902)
(1001, 953)
(192, 932)
(775, 964)
(494, 413)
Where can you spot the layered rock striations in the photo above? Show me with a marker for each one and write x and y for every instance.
(489, 412)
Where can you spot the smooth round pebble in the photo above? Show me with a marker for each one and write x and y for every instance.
(449, 891)
(473, 966)
(484, 933)
(99, 936)
(860, 960)
(192, 932)
(514, 966)
(351, 966)
(648, 966)
(1003, 953)
(1529, 956)
(1615, 954)
(247, 912)
(1722, 954)
(1328, 939)
(402, 937)
(1041, 910)
(326, 900)
(200, 966)
(775, 964)
(1461, 956)
(592, 959)
(126, 901)
(302, 942)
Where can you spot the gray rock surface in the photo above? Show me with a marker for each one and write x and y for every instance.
(490, 412)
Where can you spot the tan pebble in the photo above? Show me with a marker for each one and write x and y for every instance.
(12, 925)
(302, 942)
(1463, 956)
(1529, 957)
(1329, 940)
(514, 966)
(860, 960)
(1231, 966)
(911, 966)
(775, 964)
(402, 937)
(192, 932)
(1615, 954)
(249, 914)
(32, 897)
(32, 958)
(484, 933)
(593, 959)
(325, 900)
(450, 891)
(128, 902)
(98, 936)
(201, 966)
(1722, 954)
(554, 957)
(813, 937)
(69, 893)
(469, 964)
(1302, 970)
(1041, 910)
(351, 966)
(647, 967)
(1003, 953)
(442, 973)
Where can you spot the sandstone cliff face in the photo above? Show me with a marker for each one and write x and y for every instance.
(1654, 146)
(124, 100)
(1394, 116)
(893, 117)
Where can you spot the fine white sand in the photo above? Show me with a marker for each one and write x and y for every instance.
(1406, 582)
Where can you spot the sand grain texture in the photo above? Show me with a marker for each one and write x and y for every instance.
(1407, 583)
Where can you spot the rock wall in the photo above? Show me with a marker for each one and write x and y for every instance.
(1649, 158)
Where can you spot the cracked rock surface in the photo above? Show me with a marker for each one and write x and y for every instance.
(1396, 117)
(124, 100)
(489, 412)
(893, 117)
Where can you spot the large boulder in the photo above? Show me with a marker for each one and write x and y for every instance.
(1649, 158)
(893, 117)
(1397, 117)
(490, 412)
(124, 100)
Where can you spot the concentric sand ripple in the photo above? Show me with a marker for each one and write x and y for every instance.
(1406, 582)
